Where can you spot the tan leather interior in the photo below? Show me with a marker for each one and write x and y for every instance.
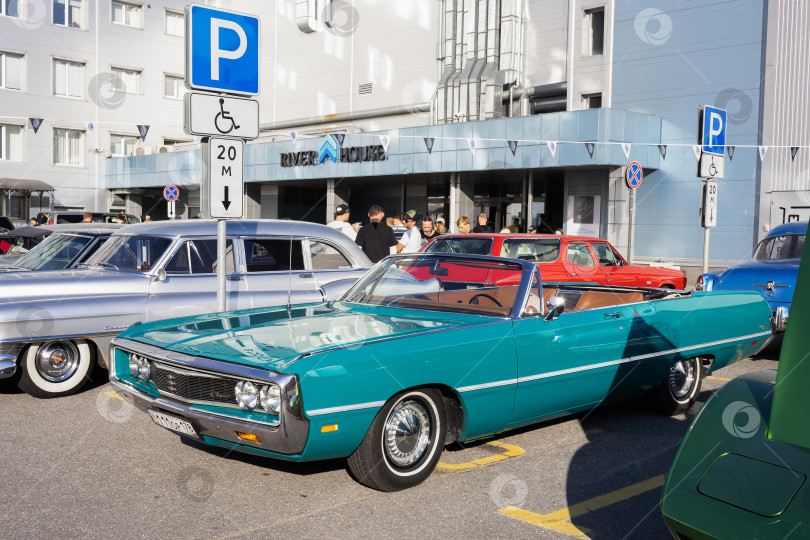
(595, 299)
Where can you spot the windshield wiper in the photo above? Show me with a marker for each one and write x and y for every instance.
(107, 265)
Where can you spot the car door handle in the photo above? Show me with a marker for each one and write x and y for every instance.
(234, 278)
(615, 314)
(306, 275)
(573, 274)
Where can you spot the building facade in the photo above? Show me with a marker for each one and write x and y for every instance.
(527, 110)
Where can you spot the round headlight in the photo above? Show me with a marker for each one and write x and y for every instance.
(270, 397)
(133, 365)
(247, 397)
(143, 368)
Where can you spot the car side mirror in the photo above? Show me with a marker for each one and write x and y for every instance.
(160, 275)
(554, 307)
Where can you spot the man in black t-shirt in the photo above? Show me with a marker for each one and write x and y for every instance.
(428, 230)
(376, 238)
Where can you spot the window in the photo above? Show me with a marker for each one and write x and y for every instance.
(68, 13)
(475, 246)
(127, 80)
(606, 255)
(579, 254)
(327, 257)
(11, 70)
(174, 87)
(175, 24)
(273, 255)
(10, 142)
(10, 8)
(592, 101)
(122, 145)
(68, 78)
(595, 28)
(127, 14)
(199, 257)
(539, 250)
(68, 147)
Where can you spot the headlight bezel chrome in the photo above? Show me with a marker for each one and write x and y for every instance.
(247, 395)
(270, 398)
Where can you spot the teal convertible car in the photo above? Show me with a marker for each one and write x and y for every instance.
(424, 350)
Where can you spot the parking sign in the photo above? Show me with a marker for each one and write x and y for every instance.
(222, 50)
(714, 130)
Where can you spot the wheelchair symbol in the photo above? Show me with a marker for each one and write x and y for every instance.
(226, 117)
(713, 169)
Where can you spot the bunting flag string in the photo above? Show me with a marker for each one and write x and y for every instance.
(552, 146)
(36, 123)
(762, 150)
(730, 150)
(89, 126)
(143, 130)
(340, 137)
(384, 141)
(696, 150)
(471, 144)
(793, 151)
(293, 136)
(663, 149)
(429, 144)
(512, 146)
(626, 150)
(589, 146)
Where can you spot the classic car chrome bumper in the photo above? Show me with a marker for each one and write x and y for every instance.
(8, 358)
(288, 436)
(780, 318)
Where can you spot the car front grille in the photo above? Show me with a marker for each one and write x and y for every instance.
(192, 386)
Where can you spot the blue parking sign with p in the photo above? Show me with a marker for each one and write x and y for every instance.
(714, 130)
(222, 51)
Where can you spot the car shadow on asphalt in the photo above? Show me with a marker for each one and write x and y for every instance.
(270, 463)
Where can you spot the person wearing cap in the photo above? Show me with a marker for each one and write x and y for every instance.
(341, 221)
(440, 226)
(411, 241)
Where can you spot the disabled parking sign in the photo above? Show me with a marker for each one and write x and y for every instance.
(222, 51)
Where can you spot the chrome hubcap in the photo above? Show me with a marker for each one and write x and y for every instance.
(57, 361)
(407, 433)
(681, 378)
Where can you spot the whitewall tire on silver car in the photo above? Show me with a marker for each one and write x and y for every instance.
(55, 368)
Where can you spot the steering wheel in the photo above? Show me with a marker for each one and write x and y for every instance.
(474, 299)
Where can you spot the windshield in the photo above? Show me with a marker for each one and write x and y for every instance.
(54, 252)
(436, 283)
(539, 250)
(472, 245)
(138, 253)
(21, 245)
(788, 246)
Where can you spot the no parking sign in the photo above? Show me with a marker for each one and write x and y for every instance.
(634, 175)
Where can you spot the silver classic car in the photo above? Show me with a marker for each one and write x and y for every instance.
(64, 246)
(56, 325)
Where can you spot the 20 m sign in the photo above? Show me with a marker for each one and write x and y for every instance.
(222, 192)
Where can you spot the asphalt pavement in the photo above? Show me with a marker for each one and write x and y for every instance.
(90, 466)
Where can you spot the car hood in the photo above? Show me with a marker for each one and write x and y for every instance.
(55, 285)
(754, 275)
(275, 338)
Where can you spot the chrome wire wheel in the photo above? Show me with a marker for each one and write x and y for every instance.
(406, 435)
(682, 377)
(57, 361)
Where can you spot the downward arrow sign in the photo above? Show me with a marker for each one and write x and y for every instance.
(226, 202)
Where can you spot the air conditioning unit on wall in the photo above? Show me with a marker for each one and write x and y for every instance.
(165, 149)
(142, 150)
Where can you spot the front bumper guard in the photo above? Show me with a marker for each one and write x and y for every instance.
(288, 436)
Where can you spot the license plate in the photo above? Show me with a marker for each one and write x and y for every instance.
(173, 423)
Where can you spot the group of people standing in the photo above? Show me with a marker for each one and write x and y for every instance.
(377, 238)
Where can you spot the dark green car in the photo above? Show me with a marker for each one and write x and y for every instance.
(741, 471)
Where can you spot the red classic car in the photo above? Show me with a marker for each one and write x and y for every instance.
(562, 258)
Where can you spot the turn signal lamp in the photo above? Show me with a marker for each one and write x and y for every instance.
(249, 437)
(329, 429)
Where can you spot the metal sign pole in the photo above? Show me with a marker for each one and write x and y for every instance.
(221, 270)
(630, 220)
(706, 249)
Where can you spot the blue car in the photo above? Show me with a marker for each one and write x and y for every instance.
(772, 272)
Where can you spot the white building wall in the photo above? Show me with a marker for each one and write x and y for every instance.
(100, 45)
(785, 182)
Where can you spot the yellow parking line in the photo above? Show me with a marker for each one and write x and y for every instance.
(510, 451)
(717, 378)
(560, 521)
(115, 395)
